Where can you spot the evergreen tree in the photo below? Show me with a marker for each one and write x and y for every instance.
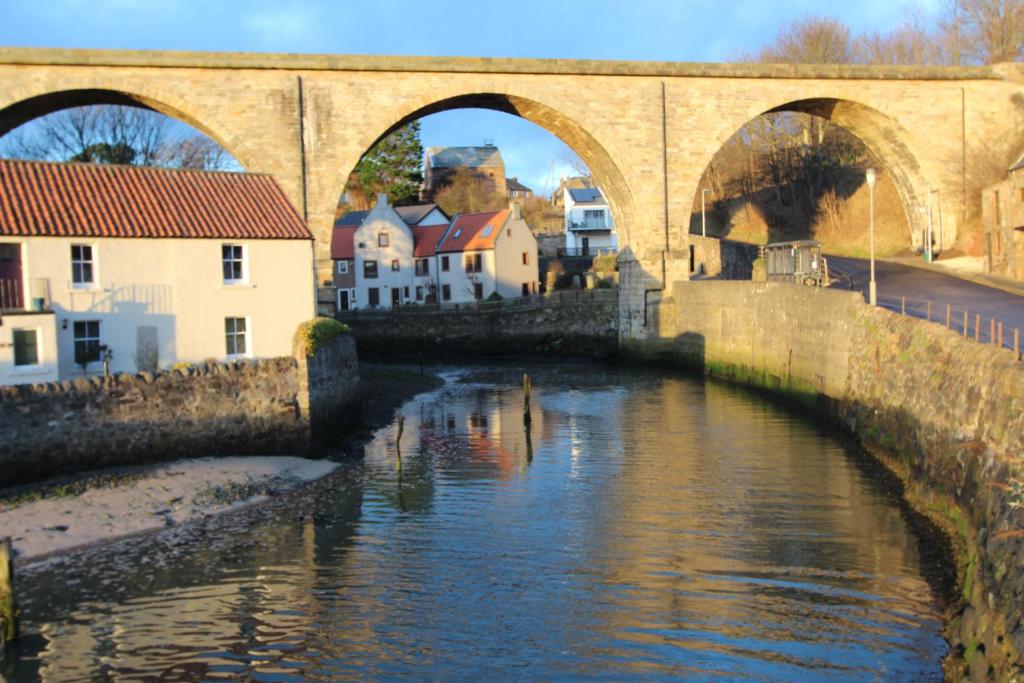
(393, 166)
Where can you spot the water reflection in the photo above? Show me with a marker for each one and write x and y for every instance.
(641, 525)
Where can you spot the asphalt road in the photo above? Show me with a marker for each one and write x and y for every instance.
(896, 281)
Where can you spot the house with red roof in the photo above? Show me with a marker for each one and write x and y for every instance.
(384, 262)
(136, 269)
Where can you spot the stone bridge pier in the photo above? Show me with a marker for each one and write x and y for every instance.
(646, 130)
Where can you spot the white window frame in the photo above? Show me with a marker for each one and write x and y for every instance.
(247, 337)
(343, 267)
(244, 261)
(27, 368)
(93, 262)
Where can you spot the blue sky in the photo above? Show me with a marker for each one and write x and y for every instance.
(683, 30)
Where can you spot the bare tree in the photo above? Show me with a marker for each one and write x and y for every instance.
(467, 191)
(913, 42)
(114, 134)
(983, 31)
(812, 40)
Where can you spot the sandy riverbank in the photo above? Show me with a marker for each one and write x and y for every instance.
(165, 495)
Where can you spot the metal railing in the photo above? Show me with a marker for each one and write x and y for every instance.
(591, 225)
(972, 325)
(583, 252)
(573, 296)
(13, 296)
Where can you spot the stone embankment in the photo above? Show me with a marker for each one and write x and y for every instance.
(581, 324)
(271, 406)
(945, 414)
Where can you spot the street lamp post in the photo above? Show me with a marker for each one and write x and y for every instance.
(872, 292)
(703, 219)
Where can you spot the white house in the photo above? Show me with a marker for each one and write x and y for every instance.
(343, 247)
(484, 253)
(384, 262)
(589, 228)
(144, 267)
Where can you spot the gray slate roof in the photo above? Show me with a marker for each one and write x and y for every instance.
(410, 214)
(513, 185)
(1019, 164)
(586, 195)
(471, 157)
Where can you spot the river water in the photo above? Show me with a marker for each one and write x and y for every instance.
(649, 526)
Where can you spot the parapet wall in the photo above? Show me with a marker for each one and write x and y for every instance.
(945, 414)
(271, 406)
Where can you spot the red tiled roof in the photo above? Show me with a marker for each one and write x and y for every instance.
(94, 200)
(467, 231)
(425, 238)
(342, 239)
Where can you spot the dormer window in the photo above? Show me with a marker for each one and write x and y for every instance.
(488, 230)
(458, 232)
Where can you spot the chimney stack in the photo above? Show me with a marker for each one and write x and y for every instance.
(382, 200)
(513, 208)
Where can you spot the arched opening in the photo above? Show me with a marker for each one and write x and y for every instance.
(797, 171)
(597, 160)
(493, 174)
(113, 127)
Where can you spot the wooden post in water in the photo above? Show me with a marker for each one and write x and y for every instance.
(929, 311)
(8, 605)
(1000, 334)
(977, 327)
(903, 305)
(1016, 343)
(527, 418)
(992, 331)
(965, 323)
(948, 311)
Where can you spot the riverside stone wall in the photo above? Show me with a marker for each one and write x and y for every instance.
(566, 324)
(946, 415)
(269, 406)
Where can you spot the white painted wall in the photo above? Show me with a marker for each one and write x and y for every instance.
(461, 282)
(177, 287)
(515, 239)
(384, 219)
(45, 327)
(435, 217)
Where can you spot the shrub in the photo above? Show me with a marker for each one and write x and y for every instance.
(313, 334)
(495, 297)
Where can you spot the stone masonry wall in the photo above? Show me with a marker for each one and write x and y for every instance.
(238, 408)
(567, 324)
(946, 415)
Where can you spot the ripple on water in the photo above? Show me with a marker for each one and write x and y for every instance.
(645, 526)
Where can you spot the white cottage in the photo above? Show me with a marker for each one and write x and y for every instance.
(139, 268)
(385, 262)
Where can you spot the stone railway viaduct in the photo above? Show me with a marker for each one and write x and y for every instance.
(647, 130)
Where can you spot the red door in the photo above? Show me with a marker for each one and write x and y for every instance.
(10, 277)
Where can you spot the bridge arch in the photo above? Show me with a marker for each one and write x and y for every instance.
(28, 108)
(602, 166)
(881, 134)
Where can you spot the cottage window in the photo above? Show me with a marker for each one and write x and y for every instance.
(526, 289)
(394, 264)
(478, 290)
(26, 347)
(374, 296)
(82, 274)
(87, 341)
(446, 292)
(370, 270)
(444, 263)
(342, 267)
(405, 293)
(422, 267)
(526, 258)
(233, 260)
(382, 239)
(235, 330)
(473, 263)
(419, 293)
